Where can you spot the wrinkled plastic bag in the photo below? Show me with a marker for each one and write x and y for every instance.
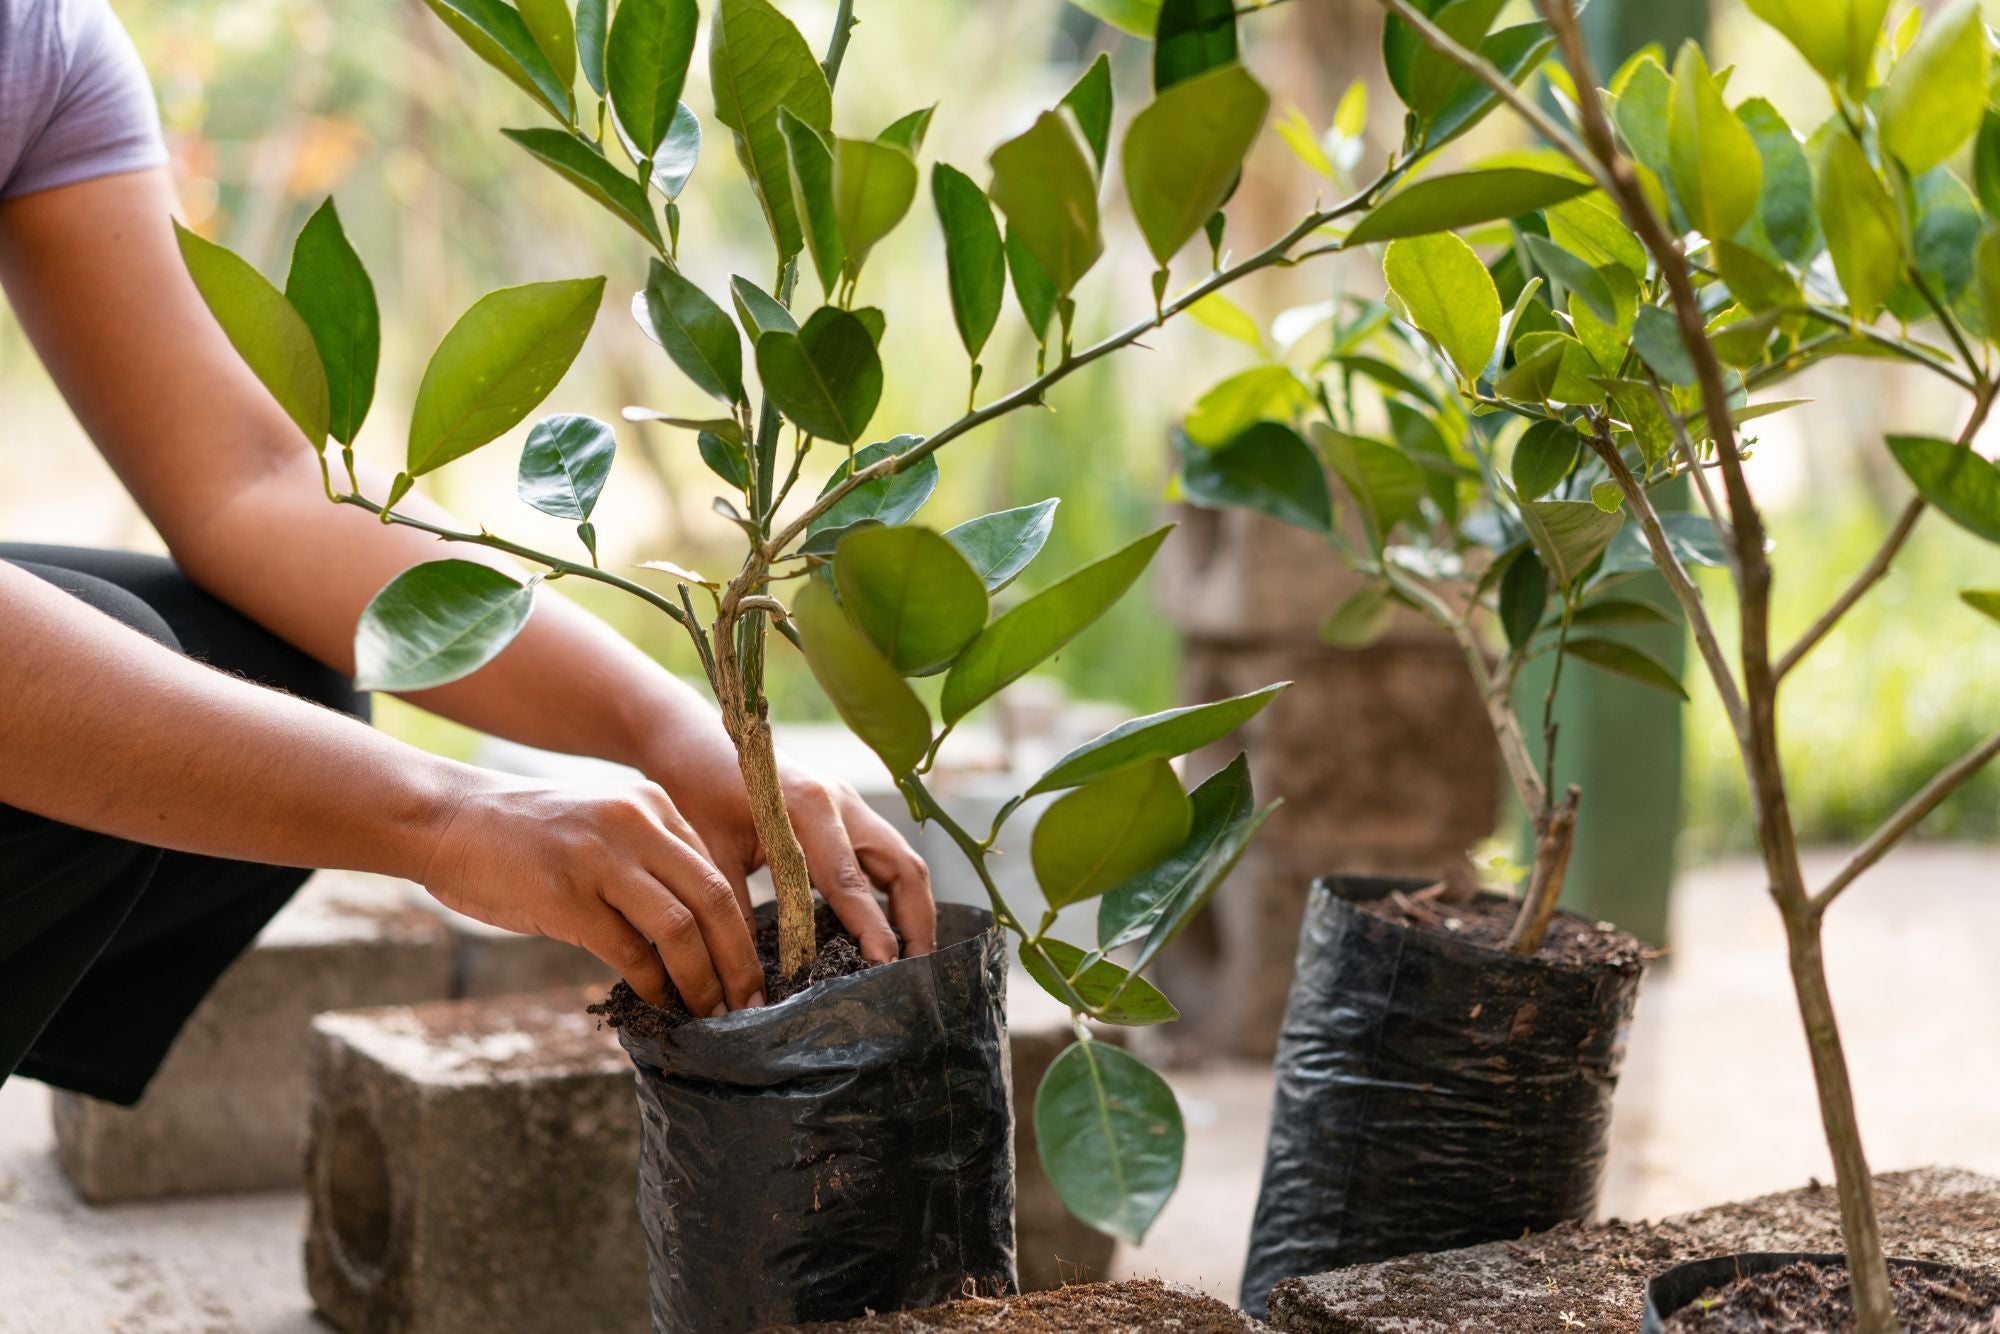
(1431, 1093)
(847, 1150)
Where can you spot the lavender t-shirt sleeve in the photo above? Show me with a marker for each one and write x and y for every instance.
(74, 100)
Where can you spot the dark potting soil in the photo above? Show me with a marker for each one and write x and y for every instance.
(1140, 1306)
(838, 955)
(1485, 921)
(1814, 1299)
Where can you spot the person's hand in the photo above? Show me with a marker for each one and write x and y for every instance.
(616, 870)
(850, 850)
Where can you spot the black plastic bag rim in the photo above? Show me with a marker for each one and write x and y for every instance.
(1456, 947)
(1718, 1271)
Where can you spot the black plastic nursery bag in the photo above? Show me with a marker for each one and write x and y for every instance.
(847, 1150)
(1431, 1093)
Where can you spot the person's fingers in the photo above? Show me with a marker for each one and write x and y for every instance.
(700, 889)
(836, 871)
(628, 954)
(653, 911)
(888, 857)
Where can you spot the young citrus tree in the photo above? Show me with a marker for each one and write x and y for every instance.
(1665, 262)
(871, 598)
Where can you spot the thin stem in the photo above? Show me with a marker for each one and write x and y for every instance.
(1907, 817)
(1827, 315)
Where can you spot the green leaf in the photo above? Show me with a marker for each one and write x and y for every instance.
(873, 184)
(1044, 182)
(974, 255)
(593, 35)
(1963, 486)
(646, 67)
(725, 458)
(330, 290)
(1138, 17)
(1863, 229)
(496, 364)
(435, 623)
(270, 336)
(1363, 617)
(1052, 963)
(1000, 545)
(1109, 1132)
(826, 378)
(1183, 151)
(1422, 77)
(1656, 337)
(1107, 831)
(758, 62)
(1757, 284)
(1021, 638)
(865, 688)
(1640, 111)
(1234, 404)
(912, 593)
(1718, 172)
(1576, 276)
(1619, 611)
(1936, 95)
(758, 311)
(498, 35)
(673, 161)
(809, 166)
(579, 162)
(907, 131)
(1606, 341)
(1543, 457)
(1218, 313)
(1986, 163)
(1155, 905)
(564, 464)
(1985, 601)
(554, 33)
(1785, 203)
(888, 500)
(1517, 52)
(1033, 289)
(1385, 482)
(1591, 227)
(1837, 39)
(1692, 538)
(1192, 38)
(694, 330)
(1623, 659)
(1265, 467)
(1449, 295)
(1524, 594)
(1089, 100)
(1569, 535)
(1158, 736)
(1461, 199)
(1986, 274)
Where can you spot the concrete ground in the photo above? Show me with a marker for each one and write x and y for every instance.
(1716, 1104)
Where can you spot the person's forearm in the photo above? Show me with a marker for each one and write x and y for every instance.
(110, 731)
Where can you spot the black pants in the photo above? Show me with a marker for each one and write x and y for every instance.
(107, 946)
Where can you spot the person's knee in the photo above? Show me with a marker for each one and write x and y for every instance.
(102, 595)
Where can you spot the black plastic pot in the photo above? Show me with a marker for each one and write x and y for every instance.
(848, 1150)
(1668, 1292)
(1431, 1093)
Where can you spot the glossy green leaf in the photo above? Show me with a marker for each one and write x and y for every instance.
(271, 337)
(1569, 535)
(974, 255)
(1692, 538)
(1936, 95)
(1962, 485)
(496, 365)
(593, 35)
(1385, 482)
(1183, 151)
(911, 592)
(1461, 199)
(435, 623)
(1033, 289)
(1362, 617)
(554, 32)
(1543, 457)
(1622, 659)
(757, 310)
(1422, 76)
(1237, 402)
(1192, 38)
(1524, 594)
(826, 378)
(1592, 228)
(1619, 611)
(1158, 736)
(1449, 295)
(330, 290)
(1053, 963)
(809, 167)
(758, 62)
(1575, 275)
(1138, 17)
(498, 35)
(1089, 100)
(1837, 39)
(646, 67)
(1516, 52)
(873, 185)
(1020, 639)
(1110, 1136)
(1107, 831)
(695, 332)
(564, 464)
(1863, 229)
(1656, 337)
(1640, 109)
(1000, 545)
(864, 687)
(1986, 163)
(1985, 601)
(1606, 341)
(725, 458)
(1266, 468)
(1759, 285)
(908, 131)
(888, 500)
(674, 160)
(579, 162)
(1044, 182)
(1785, 200)
(1718, 172)
(1986, 276)
(1218, 313)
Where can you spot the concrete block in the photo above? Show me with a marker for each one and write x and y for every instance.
(473, 1165)
(1051, 1248)
(227, 1111)
(487, 961)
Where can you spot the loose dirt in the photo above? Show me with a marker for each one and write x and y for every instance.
(1809, 1298)
(1141, 1306)
(1485, 921)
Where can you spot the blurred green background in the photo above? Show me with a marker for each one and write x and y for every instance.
(270, 105)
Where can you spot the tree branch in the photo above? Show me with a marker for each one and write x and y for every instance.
(1907, 817)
